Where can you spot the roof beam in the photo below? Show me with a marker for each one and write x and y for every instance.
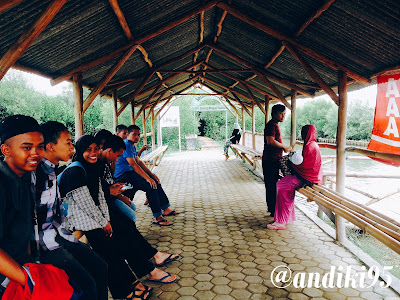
(312, 72)
(29, 36)
(121, 18)
(240, 101)
(281, 81)
(231, 105)
(107, 77)
(282, 37)
(138, 41)
(201, 35)
(6, 4)
(275, 90)
(255, 101)
(314, 16)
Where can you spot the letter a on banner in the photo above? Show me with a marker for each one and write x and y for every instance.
(385, 134)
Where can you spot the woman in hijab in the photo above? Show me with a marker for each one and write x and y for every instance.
(234, 139)
(80, 186)
(308, 172)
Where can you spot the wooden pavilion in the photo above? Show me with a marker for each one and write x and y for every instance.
(141, 53)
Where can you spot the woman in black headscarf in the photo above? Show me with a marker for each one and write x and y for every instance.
(80, 186)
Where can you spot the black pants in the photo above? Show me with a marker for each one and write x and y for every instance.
(158, 200)
(271, 177)
(127, 244)
(82, 265)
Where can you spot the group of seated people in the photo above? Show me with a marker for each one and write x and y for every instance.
(45, 210)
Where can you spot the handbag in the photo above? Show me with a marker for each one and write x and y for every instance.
(285, 164)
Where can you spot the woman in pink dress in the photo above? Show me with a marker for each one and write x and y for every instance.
(308, 172)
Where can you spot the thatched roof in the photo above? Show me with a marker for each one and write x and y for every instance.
(249, 50)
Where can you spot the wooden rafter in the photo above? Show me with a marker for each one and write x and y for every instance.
(274, 89)
(201, 36)
(208, 71)
(231, 105)
(314, 16)
(281, 81)
(6, 4)
(121, 18)
(137, 41)
(241, 81)
(148, 60)
(29, 36)
(107, 77)
(240, 101)
(254, 99)
(312, 73)
(282, 37)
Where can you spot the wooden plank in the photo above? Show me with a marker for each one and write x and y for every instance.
(281, 81)
(282, 37)
(121, 18)
(312, 72)
(274, 89)
(29, 36)
(107, 77)
(137, 41)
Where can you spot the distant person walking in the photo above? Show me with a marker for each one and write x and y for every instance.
(273, 148)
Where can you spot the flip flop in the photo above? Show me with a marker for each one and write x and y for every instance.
(276, 227)
(168, 260)
(161, 280)
(159, 223)
(172, 213)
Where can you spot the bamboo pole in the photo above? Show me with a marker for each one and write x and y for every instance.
(267, 110)
(253, 126)
(115, 109)
(153, 136)
(340, 151)
(334, 195)
(133, 113)
(378, 234)
(78, 100)
(376, 154)
(243, 126)
(293, 119)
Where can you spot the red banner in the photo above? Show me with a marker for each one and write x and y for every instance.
(385, 134)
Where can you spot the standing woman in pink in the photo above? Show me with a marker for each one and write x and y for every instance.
(308, 172)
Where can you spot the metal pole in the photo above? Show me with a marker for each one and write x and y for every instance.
(340, 153)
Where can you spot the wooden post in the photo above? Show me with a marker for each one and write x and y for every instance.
(243, 126)
(115, 108)
(133, 112)
(159, 131)
(144, 128)
(293, 119)
(340, 153)
(267, 113)
(253, 126)
(153, 133)
(78, 97)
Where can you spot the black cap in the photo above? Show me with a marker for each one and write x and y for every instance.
(15, 125)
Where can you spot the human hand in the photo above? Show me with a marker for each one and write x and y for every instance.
(152, 183)
(287, 149)
(156, 178)
(108, 229)
(144, 147)
(116, 188)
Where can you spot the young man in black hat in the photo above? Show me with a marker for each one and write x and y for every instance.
(23, 148)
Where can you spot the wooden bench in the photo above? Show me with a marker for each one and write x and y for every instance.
(154, 158)
(247, 153)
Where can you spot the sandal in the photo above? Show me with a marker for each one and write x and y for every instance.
(162, 223)
(162, 279)
(168, 260)
(144, 294)
(172, 213)
(276, 227)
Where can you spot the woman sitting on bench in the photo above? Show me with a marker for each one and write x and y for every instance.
(308, 172)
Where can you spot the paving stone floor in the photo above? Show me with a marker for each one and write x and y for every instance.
(227, 252)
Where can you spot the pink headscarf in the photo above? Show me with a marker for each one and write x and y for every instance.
(311, 167)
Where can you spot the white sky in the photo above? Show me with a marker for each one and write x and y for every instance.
(41, 84)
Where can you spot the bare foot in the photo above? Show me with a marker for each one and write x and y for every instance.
(161, 258)
(161, 276)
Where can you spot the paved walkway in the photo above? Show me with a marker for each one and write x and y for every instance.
(227, 252)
